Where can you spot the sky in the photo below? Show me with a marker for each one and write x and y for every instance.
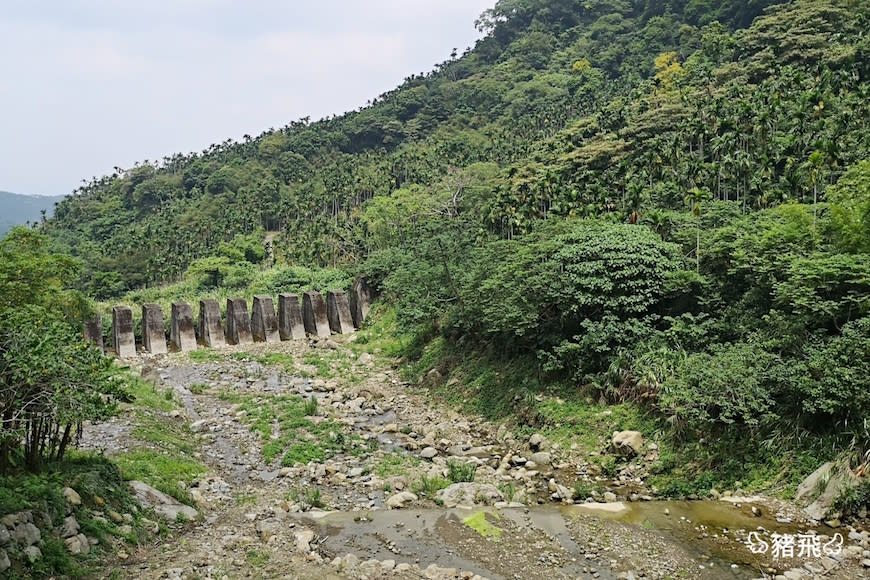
(87, 85)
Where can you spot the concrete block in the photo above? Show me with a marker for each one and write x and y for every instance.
(361, 297)
(124, 342)
(238, 323)
(93, 331)
(211, 332)
(264, 323)
(314, 314)
(153, 334)
(290, 325)
(338, 312)
(181, 333)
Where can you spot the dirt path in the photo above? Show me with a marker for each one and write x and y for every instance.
(373, 442)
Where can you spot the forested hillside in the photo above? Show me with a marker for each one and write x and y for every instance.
(662, 202)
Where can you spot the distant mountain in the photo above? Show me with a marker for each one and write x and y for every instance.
(16, 209)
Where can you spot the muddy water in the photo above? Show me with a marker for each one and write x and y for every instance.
(711, 533)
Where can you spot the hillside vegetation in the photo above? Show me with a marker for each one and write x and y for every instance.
(659, 203)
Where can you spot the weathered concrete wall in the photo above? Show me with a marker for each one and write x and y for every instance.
(181, 333)
(123, 339)
(93, 331)
(238, 323)
(290, 325)
(264, 323)
(314, 314)
(338, 312)
(211, 332)
(361, 297)
(153, 334)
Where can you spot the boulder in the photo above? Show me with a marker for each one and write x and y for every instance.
(399, 500)
(303, 541)
(429, 453)
(537, 442)
(814, 484)
(627, 442)
(70, 527)
(26, 534)
(541, 458)
(78, 544)
(163, 505)
(837, 484)
(469, 494)
(71, 496)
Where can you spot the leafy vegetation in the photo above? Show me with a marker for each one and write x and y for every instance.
(661, 207)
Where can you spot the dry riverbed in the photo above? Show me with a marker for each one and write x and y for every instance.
(322, 463)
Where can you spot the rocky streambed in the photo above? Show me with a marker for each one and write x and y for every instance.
(381, 494)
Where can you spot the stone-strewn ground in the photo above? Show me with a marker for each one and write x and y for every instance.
(368, 505)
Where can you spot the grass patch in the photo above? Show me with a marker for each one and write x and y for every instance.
(395, 463)
(479, 522)
(307, 498)
(161, 471)
(319, 362)
(290, 431)
(198, 388)
(459, 471)
(429, 486)
(256, 558)
(147, 395)
(203, 355)
(380, 334)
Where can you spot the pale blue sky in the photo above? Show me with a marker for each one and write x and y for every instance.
(89, 84)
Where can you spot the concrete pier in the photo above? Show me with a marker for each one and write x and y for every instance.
(238, 323)
(181, 333)
(338, 312)
(361, 297)
(153, 333)
(264, 323)
(124, 342)
(290, 325)
(211, 332)
(93, 331)
(314, 314)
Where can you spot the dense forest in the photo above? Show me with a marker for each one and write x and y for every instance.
(661, 202)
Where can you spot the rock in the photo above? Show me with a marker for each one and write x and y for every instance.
(199, 426)
(26, 534)
(266, 530)
(71, 496)
(813, 485)
(469, 494)
(837, 484)
(303, 541)
(356, 472)
(429, 453)
(32, 553)
(627, 442)
(70, 527)
(163, 505)
(537, 442)
(78, 544)
(5, 564)
(115, 516)
(541, 458)
(399, 500)
(609, 496)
